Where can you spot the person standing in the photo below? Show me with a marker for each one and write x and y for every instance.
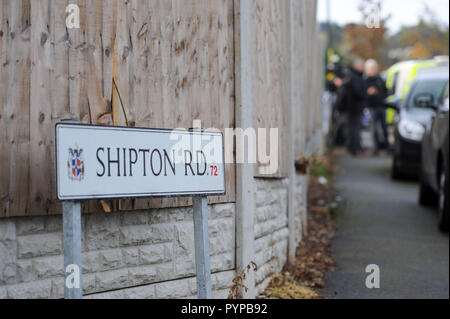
(376, 94)
(338, 128)
(354, 88)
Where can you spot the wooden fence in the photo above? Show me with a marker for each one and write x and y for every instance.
(146, 63)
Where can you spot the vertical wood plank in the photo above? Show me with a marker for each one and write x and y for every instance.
(179, 69)
(92, 62)
(155, 99)
(139, 29)
(139, 37)
(156, 78)
(94, 19)
(213, 83)
(41, 130)
(98, 107)
(308, 69)
(189, 83)
(270, 79)
(123, 56)
(108, 37)
(59, 79)
(224, 118)
(60, 65)
(18, 105)
(166, 20)
(167, 37)
(300, 78)
(229, 98)
(4, 138)
(77, 67)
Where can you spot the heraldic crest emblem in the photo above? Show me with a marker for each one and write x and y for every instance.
(75, 164)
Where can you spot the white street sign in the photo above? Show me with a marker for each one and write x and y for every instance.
(104, 162)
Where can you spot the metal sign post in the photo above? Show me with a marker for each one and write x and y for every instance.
(73, 283)
(104, 162)
(201, 238)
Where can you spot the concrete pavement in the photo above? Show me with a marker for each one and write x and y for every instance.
(382, 223)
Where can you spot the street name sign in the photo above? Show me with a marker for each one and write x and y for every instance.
(105, 162)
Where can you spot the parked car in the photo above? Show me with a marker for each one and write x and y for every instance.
(399, 79)
(413, 115)
(434, 172)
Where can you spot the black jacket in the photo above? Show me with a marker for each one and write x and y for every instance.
(376, 101)
(352, 95)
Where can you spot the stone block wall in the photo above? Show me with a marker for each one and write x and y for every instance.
(301, 193)
(146, 254)
(150, 249)
(271, 225)
(271, 230)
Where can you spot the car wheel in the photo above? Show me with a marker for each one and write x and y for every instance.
(427, 197)
(443, 201)
(395, 172)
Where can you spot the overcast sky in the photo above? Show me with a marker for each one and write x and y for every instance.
(403, 12)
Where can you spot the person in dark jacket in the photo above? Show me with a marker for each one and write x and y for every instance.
(355, 95)
(338, 126)
(376, 94)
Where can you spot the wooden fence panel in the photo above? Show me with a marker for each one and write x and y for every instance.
(173, 62)
(271, 82)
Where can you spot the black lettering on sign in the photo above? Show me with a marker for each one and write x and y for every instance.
(124, 162)
(188, 163)
(171, 164)
(101, 162)
(198, 163)
(117, 162)
(144, 158)
(133, 160)
(152, 157)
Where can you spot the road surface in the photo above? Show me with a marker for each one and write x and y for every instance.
(381, 223)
